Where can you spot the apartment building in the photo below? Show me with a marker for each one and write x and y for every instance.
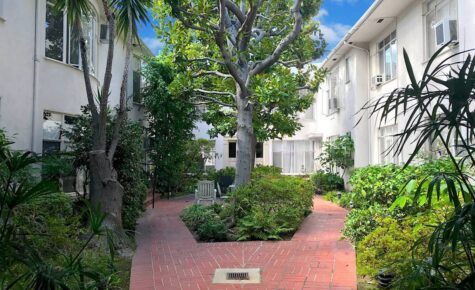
(41, 83)
(367, 64)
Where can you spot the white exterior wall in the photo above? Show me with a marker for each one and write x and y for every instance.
(59, 86)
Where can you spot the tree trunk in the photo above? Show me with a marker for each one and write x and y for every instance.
(245, 137)
(106, 191)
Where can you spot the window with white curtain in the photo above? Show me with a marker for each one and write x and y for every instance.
(387, 140)
(435, 12)
(387, 52)
(62, 40)
(293, 156)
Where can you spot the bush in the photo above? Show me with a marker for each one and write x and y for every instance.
(195, 215)
(360, 222)
(212, 230)
(326, 181)
(271, 208)
(224, 177)
(378, 184)
(389, 246)
(261, 171)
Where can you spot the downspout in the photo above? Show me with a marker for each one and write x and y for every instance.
(35, 79)
(367, 96)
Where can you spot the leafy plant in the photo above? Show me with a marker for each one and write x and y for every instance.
(327, 181)
(212, 230)
(338, 154)
(360, 222)
(438, 108)
(261, 171)
(196, 215)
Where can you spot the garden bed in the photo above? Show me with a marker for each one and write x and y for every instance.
(270, 207)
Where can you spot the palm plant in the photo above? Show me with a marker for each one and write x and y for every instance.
(105, 190)
(439, 108)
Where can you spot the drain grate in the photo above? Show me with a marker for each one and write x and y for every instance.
(237, 276)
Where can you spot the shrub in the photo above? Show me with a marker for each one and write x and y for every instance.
(338, 154)
(360, 222)
(378, 184)
(326, 181)
(261, 171)
(224, 177)
(195, 215)
(212, 230)
(389, 246)
(271, 208)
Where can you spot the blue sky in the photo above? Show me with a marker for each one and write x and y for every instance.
(336, 18)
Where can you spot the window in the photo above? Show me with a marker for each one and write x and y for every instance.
(437, 11)
(259, 150)
(232, 149)
(334, 94)
(294, 157)
(309, 112)
(136, 81)
(387, 140)
(62, 41)
(387, 54)
(347, 70)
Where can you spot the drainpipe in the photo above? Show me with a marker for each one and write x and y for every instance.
(367, 96)
(35, 79)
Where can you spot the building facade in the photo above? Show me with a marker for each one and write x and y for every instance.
(41, 83)
(366, 64)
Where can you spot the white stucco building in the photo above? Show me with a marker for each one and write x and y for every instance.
(367, 64)
(41, 84)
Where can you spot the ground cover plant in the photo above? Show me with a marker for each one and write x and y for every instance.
(270, 207)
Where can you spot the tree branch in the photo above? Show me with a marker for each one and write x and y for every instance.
(235, 10)
(215, 92)
(216, 101)
(211, 72)
(204, 59)
(274, 57)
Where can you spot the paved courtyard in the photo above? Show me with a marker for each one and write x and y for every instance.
(168, 257)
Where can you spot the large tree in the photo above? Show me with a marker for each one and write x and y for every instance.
(249, 60)
(105, 189)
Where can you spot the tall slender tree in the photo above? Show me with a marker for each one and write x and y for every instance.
(238, 54)
(105, 190)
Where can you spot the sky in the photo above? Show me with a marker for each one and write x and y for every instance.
(336, 18)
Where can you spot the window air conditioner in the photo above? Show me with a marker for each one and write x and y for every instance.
(445, 31)
(377, 80)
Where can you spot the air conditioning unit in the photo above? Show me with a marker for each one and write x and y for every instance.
(377, 80)
(445, 31)
(104, 32)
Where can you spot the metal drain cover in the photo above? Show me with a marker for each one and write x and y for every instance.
(237, 276)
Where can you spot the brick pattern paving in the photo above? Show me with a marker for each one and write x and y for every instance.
(169, 258)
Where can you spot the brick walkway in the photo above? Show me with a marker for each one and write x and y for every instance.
(169, 258)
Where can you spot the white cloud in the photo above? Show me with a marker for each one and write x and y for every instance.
(333, 33)
(322, 13)
(154, 44)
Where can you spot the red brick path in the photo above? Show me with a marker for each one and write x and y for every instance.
(169, 258)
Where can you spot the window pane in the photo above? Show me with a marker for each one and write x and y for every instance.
(232, 150)
(381, 62)
(54, 33)
(51, 147)
(387, 63)
(393, 59)
(259, 150)
(74, 47)
(136, 87)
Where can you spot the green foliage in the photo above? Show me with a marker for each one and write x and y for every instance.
(225, 177)
(338, 154)
(271, 208)
(212, 230)
(360, 222)
(327, 181)
(277, 96)
(128, 161)
(195, 215)
(177, 159)
(377, 184)
(43, 244)
(261, 171)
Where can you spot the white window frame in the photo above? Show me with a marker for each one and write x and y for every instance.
(295, 171)
(387, 156)
(429, 30)
(334, 91)
(388, 73)
(67, 46)
(347, 70)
